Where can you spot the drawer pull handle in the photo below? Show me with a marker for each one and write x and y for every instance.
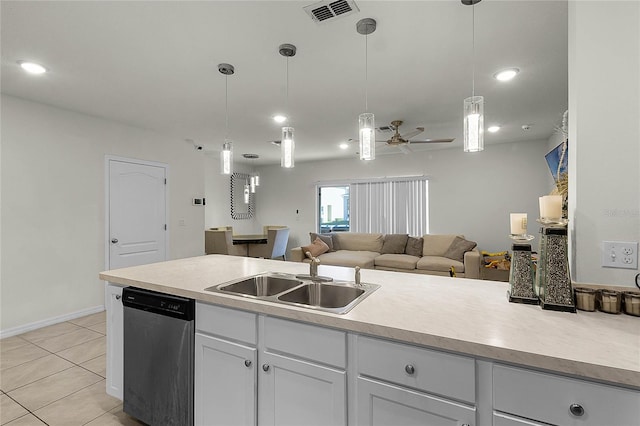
(409, 369)
(576, 409)
(247, 363)
(265, 367)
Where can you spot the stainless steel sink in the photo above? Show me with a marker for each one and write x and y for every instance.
(259, 285)
(338, 297)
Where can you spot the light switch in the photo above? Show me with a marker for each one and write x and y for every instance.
(620, 254)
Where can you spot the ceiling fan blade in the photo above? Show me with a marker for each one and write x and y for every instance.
(433, 141)
(405, 149)
(413, 133)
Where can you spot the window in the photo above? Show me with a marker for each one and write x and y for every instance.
(333, 211)
(387, 206)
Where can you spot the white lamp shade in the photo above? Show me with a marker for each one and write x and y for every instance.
(226, 159)
(367, 126)
(474, 124)
(256, 179)
(287, 148)
(246, 193)
(252, 184)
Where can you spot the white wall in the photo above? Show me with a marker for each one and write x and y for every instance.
(604, 128)
(53, 205)
(469, 193)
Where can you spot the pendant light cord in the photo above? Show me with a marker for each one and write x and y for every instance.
(226, 107)
(473, 52)
(366, 73)
(287, 90)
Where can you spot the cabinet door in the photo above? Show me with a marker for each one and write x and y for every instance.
(294, 392)
(225, 382)
(115, 335)
(501, 419)
(383, 404)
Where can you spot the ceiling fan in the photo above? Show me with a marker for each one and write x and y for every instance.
(402, 142)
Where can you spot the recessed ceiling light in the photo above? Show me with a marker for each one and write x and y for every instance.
(344, 145)
(279, 118)
(493, 129)
(32, 67)
(506, 75)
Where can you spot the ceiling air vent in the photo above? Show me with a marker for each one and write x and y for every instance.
(326, 10)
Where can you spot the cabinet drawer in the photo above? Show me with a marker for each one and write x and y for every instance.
(423, 369)
(501, 419)
(224, 322)
(548, 398)
(307, 341)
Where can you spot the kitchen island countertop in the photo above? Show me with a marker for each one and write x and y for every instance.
(461, 315)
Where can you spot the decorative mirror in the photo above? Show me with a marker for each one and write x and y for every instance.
(240, 209)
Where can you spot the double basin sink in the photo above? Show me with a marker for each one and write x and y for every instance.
(337, 297)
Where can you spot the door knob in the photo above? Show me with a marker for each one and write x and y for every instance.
(247, 363)
(114, 240)
(265, 367)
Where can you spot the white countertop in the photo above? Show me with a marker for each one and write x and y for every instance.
(462, 315)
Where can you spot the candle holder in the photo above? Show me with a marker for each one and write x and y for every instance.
(521, 276)
(553, 283)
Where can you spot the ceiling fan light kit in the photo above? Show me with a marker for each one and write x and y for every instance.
(226, 155)
(366, 120)
(287, 144)
(473, 106)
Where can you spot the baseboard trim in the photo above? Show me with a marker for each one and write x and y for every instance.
(51, 321)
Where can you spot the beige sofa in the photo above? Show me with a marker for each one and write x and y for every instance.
(366, 250)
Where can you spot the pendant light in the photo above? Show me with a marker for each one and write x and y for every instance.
(287, 143)
(474, 105)
(366, 120)
(254, 180)
(246, 193)
(226, 156)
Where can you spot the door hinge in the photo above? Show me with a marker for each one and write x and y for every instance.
(165, 181)
(165, 226)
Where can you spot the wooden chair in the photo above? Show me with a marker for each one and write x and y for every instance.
(276, 245)
(221, 242)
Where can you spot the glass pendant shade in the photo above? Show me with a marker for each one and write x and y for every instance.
(287, 148)
(474, 124)
(226, 159)
(252, 184)
(246, 192)
(256, 179)
(366, 124)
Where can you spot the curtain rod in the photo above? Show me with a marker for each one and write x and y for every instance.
(370, 180)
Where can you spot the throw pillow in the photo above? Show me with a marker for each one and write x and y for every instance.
(394, 243)
(316, 248)
(326, 238)
(414, 246)
(458, 248)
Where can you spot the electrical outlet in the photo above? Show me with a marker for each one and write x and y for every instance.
(620, 254)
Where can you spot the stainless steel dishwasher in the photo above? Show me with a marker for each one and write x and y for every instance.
(158, 357)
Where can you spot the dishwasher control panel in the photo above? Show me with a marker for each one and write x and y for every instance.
(152, 301)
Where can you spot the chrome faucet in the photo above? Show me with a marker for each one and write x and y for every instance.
(313, 266)
(357, 278)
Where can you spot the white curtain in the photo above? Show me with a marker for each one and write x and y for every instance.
(390, 206)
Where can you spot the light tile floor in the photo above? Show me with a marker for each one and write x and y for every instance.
(56, 376)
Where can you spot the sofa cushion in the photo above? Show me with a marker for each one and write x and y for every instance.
(400, 261)
(316, 248)
(326, 238)
(394, 243)
(414, 246)
(358, 241)
(437, 245)
(363, 259)
(439, 263)
(458, 248)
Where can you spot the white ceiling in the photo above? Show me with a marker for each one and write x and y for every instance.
(153, 64)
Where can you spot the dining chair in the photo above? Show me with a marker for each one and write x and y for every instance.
(276, 245)
(221, 242)
(265, 228)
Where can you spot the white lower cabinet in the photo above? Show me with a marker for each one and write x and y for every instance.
(225, 382)
(115, 340)
(297, 392)
(384, 404)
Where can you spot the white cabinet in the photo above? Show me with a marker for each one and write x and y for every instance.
(225, 382)
(558, 400)
(115, 340)
(384, 404)
(296, 392)
(399, 384)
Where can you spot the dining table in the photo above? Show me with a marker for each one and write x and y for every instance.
(249, 239)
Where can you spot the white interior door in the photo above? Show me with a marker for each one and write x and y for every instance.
(137, 214)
